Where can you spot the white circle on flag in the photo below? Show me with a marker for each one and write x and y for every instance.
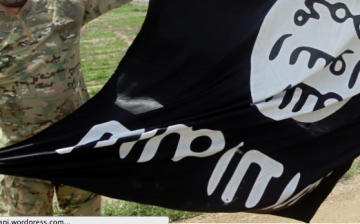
(306, 59)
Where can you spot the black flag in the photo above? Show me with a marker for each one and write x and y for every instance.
(218, 106)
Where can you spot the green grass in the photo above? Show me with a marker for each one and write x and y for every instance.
(94, 91)
(105, 41)
(101, 75)
(56, 209)
(124, 208)
(354, 170)
(99, 33)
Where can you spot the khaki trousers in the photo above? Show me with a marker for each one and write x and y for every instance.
(34, 197)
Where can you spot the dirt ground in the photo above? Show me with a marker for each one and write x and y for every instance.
(342, 206)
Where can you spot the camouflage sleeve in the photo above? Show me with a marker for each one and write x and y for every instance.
(95, 8)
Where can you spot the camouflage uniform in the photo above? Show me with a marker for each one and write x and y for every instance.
(40, 83)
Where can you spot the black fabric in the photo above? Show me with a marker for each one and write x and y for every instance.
(184, 89)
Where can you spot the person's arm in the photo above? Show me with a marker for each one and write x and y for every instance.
(95, 8)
